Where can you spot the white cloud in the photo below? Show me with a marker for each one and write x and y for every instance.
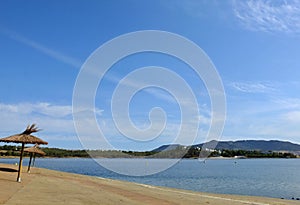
(292, 117)
(164, 94)
(56, 121)
(275, 117)
(138, 85)
(168, 136)
(253, 87)
(41, 48)
(17, 116)
(42, 108)
(269, 16)
(288, 103)
(57, 125)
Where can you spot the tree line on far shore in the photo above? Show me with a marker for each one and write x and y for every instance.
(180, 152)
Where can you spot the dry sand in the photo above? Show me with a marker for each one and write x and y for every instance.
(44, 186)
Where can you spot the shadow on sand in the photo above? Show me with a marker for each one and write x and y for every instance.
(3, 169)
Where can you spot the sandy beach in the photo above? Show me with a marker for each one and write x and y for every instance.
(44, 186)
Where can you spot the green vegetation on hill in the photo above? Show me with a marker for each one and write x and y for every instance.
(262, 145)
(252, 154)
(55, 152)
(177, 152)
(9, 150)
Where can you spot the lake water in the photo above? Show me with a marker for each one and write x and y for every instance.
(279, 178)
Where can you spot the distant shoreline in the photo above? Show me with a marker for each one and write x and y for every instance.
(192, 158)
(230, 149)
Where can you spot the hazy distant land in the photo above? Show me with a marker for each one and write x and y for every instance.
(241, 149)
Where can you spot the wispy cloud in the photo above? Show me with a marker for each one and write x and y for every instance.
(41, 48)
(58, 126)
(275, 116)
(42, 108)
(288, 103)
(169, 134)
(56, 122)
(269, 16)
(138, 85)
(292, 117)
(34, 113)
(253, 87)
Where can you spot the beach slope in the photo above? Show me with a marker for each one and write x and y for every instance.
(44, 186)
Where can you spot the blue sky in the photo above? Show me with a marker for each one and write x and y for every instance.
(254, 45)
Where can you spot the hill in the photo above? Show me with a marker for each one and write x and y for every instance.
(167, 147)
(260, 145)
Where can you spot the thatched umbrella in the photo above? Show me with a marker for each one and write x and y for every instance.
(24, 138)
(33, 151)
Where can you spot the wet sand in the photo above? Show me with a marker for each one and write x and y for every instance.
(44, 186)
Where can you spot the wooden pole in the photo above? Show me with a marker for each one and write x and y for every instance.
(28, 170)
(33, 159)
(20, 163)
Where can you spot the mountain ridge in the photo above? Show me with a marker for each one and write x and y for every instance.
(261, 145)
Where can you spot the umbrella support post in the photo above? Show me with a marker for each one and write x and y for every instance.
(33, 159)
(20, 164)
(28, 170)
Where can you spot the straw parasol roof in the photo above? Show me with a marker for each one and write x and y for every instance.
(24, 138)
(35, 150)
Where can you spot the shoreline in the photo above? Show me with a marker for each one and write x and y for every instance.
(44, 186)
(192, 158)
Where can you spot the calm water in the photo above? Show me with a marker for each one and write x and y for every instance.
(279, 178)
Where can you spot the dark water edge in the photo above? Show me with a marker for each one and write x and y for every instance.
(277, 178)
